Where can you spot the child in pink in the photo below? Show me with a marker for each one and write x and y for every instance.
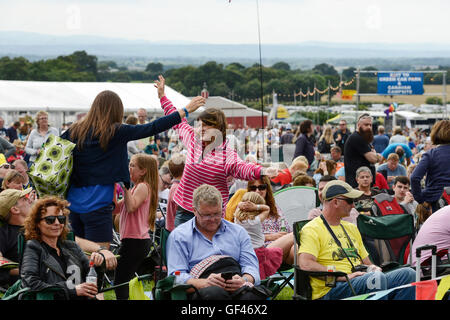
(137, 217)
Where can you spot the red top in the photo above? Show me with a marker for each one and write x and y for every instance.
(380, 181)
(284, 177)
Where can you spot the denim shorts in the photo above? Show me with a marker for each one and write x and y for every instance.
(95, 226)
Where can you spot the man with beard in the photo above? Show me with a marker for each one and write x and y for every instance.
(358, 150)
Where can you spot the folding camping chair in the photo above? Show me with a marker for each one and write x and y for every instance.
(302, 285)
(389, 237)
(17, 292)
(296, 202)
(166, 289)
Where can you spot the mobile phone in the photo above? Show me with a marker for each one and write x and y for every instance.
(227, 275)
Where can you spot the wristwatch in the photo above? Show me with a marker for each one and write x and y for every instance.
(101, 248)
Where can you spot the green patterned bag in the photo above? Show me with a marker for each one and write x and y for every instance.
(51, 171)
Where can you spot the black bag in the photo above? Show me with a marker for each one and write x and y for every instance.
(227, 264)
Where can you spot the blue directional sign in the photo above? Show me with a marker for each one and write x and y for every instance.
(400, 83)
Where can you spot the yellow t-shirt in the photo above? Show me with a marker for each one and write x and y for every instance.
(315, 239)
(232, 204)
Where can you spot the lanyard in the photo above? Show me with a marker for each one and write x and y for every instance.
(338, 242)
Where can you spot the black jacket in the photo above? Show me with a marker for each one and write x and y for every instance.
(40, 270)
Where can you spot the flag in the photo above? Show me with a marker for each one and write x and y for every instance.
(426, 290)
(444, 286)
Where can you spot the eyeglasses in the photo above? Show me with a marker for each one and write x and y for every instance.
(165, 183)
(261, 187)
(51, 219)
(210, 216)
(7, 166)
(348, 200)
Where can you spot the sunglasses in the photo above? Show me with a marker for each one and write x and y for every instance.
(51, 219)
(7, 166)
(348, 200)
(261, 187)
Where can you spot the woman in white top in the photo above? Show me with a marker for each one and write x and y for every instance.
(39, 135)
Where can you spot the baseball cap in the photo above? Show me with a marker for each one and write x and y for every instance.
(337, 188)
(9, 198)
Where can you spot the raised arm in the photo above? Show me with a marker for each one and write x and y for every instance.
(184, 130)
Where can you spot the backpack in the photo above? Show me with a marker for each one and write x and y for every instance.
(384, 204)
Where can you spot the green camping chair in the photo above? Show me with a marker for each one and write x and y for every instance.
(389, 237)
(392, 236)
(302, 286)
(17, 292)
(166, 289)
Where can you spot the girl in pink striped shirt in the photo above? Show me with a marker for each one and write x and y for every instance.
(209, 159)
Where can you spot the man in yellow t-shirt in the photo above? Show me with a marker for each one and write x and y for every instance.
(318, 249)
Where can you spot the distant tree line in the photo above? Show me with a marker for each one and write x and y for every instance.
(233, 80)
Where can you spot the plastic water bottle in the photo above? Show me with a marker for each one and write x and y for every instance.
(283, 226)
(330, 281)
(177, 277)
(92, 275)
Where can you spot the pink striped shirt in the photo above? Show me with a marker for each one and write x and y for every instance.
(211, 168)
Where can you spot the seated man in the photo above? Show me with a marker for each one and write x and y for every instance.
(316, 212)
(207, 245)
(392, 169)
(401, 149)
(319, 249)
(15, 206)
(403, 195)
(336, 155)
(364, 178)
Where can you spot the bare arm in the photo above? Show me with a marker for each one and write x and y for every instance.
(308, 262)
(373, 157)
(90, 246)
(134, 200)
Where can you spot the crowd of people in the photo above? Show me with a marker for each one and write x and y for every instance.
(212, 186)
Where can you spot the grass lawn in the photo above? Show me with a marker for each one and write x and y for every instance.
(285, 294)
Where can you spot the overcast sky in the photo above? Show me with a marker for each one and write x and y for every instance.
(219, 21)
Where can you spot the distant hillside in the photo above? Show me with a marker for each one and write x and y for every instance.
(37, 46)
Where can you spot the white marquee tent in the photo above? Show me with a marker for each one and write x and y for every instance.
(62, 100)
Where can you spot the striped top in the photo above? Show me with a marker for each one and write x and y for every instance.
(211, 168)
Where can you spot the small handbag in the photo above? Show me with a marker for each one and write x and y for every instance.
(51, 170)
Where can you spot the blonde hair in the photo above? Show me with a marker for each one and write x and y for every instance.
(151, 178)
(300, 163)
(327, 135)
(11, 176)
(253, 197)
(40, 113)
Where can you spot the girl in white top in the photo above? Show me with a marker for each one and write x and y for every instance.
(270, 257)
